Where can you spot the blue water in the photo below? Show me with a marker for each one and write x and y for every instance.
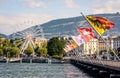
(36, 70)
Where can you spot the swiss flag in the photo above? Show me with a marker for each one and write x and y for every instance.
(86, 33)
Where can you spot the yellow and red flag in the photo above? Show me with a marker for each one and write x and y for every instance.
(72, 42)
(69, 46)
(66, 49)
(100, 24)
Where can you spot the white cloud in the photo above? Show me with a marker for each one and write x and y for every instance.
(108, 7)
(71, 4)
(11, 24)
(33, 3)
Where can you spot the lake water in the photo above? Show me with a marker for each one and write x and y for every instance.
(37, 70)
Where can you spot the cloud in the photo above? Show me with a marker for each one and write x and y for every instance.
(71, 4)
(33, 3)
(11, 24)
(108, 7)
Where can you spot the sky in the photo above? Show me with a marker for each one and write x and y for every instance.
(17, 15)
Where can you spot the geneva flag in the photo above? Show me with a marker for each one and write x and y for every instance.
(100, 24)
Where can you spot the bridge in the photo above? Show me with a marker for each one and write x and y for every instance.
(98, 68)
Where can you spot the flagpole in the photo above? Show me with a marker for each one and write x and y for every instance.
(82, 52)
(91, 47)
(101, 37)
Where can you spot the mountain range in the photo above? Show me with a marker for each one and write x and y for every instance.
(3, 35)
(66, 26)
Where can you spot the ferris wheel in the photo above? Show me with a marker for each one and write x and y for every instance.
(28, 35)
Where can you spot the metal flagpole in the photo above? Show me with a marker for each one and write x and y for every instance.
(101, 37)
(82, 52)
(97, 57)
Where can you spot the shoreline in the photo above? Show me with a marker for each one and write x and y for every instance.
(35, 60)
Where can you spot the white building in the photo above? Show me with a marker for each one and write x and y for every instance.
(90, 47)
(115, 42)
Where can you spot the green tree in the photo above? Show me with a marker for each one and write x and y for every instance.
(14, 52)
(44, 44)
(17, 43)
(1, 52)
(6, 51)
(6, 42)
(41, 52)
(55, 47)
(1, 42)
(29, 51)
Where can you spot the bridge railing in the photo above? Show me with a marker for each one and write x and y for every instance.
(112, 63)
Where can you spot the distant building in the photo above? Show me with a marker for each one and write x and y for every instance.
(39, 41)
(102, 44)
(90, 47)
(115, 42)
(65, 37)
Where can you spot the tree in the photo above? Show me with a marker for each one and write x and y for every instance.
(14, 52)
(18, 43)
(6, 42)
(1, 52)
(29, 51)
(44, 45)
(41, 51)
(1, 42)
(55, 46)
(6, 51)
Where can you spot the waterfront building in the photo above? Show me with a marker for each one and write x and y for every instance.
(90, 47)
(102, 44)
(115, 42)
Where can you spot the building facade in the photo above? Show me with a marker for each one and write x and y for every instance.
(90, 47)
(102, 44)
(109, 43)
(115, 42)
